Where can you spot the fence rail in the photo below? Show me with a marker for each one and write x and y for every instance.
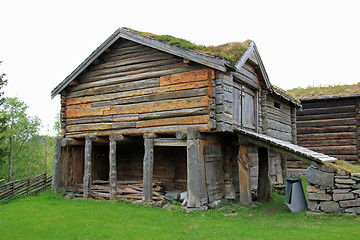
(25, 186)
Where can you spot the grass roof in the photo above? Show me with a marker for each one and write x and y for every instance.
(345, 166)
(230, 51)
(313, 91)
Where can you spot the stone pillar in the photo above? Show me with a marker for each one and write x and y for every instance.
(264, 185)
(56, 165)
(88, 165)
(112, 171)
(148, 167)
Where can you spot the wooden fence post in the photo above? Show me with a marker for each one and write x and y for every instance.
(244, 175)
(112, 171)
(148, 167)
(88, 165)
(264, 185)
(56, 165)
(196, 186)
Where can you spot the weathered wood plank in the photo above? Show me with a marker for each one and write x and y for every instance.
(56, 165)
(148, 169)
(136, 85)
(244, 175)
(338, 150)
(324, 136)
(325, 129)
(88, 166)
(328, 142)
(174, 121)
(176, 113)
(139, 131)
(327, 110)
(133, 60)
(327, 122)
(134, 92)
(170, 142)
(325, 116)
(196, 186)
(140, 108)
(193, 76)
(324, 103)
(132, 69)
(264, 184)
(112, 172)
(153, 97)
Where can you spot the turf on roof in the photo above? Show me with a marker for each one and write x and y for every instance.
(230, 51)
(312, 91)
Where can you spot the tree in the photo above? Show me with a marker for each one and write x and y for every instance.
(18, 130)
(3, 82)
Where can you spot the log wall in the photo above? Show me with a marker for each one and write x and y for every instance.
(278, 115)
(132, 89)
(330, 126)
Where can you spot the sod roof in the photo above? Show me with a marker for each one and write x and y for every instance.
(231, 51)
(315, 92)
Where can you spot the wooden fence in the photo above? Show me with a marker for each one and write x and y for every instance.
(25, 186)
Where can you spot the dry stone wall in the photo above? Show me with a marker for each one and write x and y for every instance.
(330, 190)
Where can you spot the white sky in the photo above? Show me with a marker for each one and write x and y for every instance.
(301, 43)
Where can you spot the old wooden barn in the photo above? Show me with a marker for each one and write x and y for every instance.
(141, 109)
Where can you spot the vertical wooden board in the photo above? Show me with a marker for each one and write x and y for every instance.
(56, 166)
(249, 109)
(244, 175)
(148, 169)
(196, 185)
(87, 168)
(264, 185)
(236, 106)
(112, 172)
(214, 170)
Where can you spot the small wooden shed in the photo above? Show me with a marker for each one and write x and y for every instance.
(331, 125)
(139, 108)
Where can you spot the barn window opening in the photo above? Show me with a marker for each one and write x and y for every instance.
(277, 105)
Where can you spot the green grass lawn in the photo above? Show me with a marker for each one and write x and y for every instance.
(48, 216)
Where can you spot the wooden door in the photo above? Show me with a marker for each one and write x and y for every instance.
(249, 109)
(214, 170)
(237, 104)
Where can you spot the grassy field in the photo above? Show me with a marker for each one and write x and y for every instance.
(48, 216)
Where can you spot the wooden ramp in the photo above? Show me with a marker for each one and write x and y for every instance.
(286, 148)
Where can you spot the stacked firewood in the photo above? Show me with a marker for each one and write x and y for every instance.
(125, 190)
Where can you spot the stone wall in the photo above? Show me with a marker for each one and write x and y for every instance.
(330, 190)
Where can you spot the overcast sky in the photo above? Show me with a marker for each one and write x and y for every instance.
(301, 43)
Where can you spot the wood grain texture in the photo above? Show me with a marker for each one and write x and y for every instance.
(173, 121)
(194, 76)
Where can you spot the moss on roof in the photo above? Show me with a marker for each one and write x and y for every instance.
(312, 91)
(230, 51)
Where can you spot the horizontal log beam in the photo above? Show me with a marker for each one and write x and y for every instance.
(169, 143)
(139, 108)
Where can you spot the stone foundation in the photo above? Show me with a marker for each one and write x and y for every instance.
(331, 191)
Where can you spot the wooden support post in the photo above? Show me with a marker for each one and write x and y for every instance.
(56, 165)
(88, 165)
(148, 167)
(196, 187)
(264, 185)
(244, 175)
(112, 172)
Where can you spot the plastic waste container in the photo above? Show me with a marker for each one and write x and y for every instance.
(294, 195)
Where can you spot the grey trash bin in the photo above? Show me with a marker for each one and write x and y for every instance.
(294, 195)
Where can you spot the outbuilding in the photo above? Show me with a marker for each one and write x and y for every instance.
(195, 119)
